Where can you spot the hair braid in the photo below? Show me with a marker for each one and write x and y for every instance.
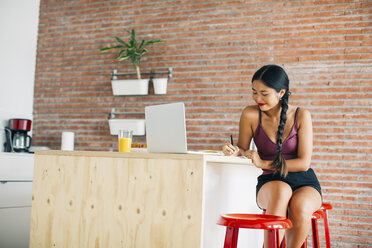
(279, 163)
(276, 78)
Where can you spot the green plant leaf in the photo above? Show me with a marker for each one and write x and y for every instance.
(141, 45)
(104, 49)
(121, 41)
(144, 51)
(152, 42)
(122, 58)
(121, 53)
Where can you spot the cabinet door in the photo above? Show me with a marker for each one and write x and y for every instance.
(15, 227)
(16, 167)
(15, 194)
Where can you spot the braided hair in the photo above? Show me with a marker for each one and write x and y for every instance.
(275, 77)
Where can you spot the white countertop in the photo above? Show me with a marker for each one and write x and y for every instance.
(16, 166)
(15, 154)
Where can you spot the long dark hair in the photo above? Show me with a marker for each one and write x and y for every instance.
(275, 77)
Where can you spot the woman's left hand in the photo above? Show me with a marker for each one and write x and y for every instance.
(253, 155)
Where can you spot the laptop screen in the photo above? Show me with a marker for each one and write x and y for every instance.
(166, 128)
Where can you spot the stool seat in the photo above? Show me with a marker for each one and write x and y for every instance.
(326, 206)
(254, 221)
(317, 215)
(271, 223)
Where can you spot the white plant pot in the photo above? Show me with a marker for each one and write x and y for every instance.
(136, 125)
(160, 85)
(130, 87)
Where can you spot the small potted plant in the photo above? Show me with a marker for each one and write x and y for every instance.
(133, 51)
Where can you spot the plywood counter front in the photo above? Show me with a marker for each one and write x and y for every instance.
(111, 199)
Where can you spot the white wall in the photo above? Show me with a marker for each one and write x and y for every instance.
(18, 38)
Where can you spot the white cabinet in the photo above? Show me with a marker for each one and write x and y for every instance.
(15, 227)
(15, 194)
(16, 172)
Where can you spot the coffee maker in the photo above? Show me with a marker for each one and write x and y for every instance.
(17, 139)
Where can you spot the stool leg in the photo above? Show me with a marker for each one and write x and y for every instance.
(304, 245)
(231, 237)
(326, 229)
(283, 244)
(314, 226)
(273, 236)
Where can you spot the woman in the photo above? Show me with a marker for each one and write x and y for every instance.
(284, 139)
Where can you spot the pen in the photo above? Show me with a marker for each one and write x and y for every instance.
(231, 140)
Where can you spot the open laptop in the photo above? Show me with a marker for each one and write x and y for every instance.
(166, 128)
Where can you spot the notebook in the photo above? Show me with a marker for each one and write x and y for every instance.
(166, 128)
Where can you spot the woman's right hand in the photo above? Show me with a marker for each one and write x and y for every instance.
(230, 150)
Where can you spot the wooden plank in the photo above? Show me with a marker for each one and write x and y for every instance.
(81, 201)
(189, 156)
(121, 154)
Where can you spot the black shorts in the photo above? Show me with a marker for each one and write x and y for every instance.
(294, 179)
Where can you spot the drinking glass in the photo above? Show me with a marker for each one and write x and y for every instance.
(125, 140)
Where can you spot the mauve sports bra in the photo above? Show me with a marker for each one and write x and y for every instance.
(266, 148)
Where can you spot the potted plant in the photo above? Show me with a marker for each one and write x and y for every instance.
(133, 51)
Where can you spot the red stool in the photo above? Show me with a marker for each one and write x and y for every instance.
(314, 226)
(319, 214)
(272, 223)
(324, 208)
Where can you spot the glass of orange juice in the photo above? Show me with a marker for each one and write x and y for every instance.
(125, 140)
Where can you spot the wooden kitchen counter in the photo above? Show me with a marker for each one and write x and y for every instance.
(137, 199)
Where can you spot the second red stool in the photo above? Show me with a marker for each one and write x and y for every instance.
(319, 214)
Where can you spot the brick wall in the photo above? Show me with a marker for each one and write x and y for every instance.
(214, 48)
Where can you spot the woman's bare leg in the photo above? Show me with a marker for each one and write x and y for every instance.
(274, 196)
(304, 202)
